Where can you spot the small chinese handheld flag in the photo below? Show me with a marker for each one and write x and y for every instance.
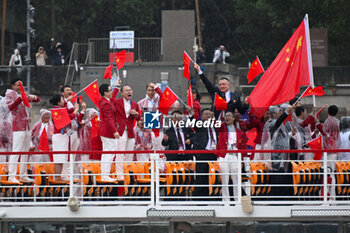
(120, 59)
(94, 127)
(190, 96)
(108, 72)
(313, 91)
(289, 71)
(92, 91)
(255, 69)
(251, 135)
(319, 112)
(288, 118)
(219, 103)
(75, 97)
(60, 117)
(167, 100)
(187, 61)
(314, 145)
(24, 96)
(43, 141)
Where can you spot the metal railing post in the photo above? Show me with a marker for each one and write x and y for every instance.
(325, 185)
(71, 172)
(239, 171)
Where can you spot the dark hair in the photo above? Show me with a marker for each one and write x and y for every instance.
(55, 99)
(299, 110)
(293, 101)
(15, 80)
(103, 88)
(205, 109)
(64, 86)
(177, 111)
(332, 110)
(224, 78)
(195, 90)
(148, 85)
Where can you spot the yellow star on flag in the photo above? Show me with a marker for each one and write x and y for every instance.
(299, 42)
(287, 50)
(117, 60)
(55, 113)
(287, 59)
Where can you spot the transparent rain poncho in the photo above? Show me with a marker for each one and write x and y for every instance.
(5, 126)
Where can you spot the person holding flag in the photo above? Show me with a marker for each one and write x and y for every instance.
(151, 100)
(38, 136)
(233, 100)
(330, 132)
(61, 136)
(69, 101)
(18, 102)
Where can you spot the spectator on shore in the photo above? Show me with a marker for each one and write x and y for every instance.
(16, 59)
(41, 57)
(220, 54)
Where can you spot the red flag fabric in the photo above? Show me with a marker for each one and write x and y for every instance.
(43, 141)
(24, 96)
(120, 59)
(187, 61)
(108, 72)
(282, 80)
(75, 98)
(167, 100)
(156, 132)
(251, 135)
(288, 118)
(190, 96)
(319, 112)
(94, 127)
(313, 91)
(80, 99)
(255, 69)
(219, 103)
(60, 117)
(314, 145)
(93, 93)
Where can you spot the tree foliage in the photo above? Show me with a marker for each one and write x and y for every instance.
(246, 27)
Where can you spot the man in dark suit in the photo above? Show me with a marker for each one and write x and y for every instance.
(206, 139)
(178, 138)
(233, 99)
(127, 111)
(108, 130)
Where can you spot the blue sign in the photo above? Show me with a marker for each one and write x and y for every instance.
(151, 120)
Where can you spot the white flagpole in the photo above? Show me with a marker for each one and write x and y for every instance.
(189, 57)
(84, 88)
(260, 63)
(309, 56)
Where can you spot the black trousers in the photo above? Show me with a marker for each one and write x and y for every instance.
(203, 167)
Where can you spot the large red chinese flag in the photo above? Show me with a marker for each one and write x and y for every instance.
(190, 96)
(187, 61)
(255, 69)
(43, 141)
(219, 103)
(313, 91)
(24, 96)
(93, 93)
(314, 145)
(60, 117)
(94, 127)
(167, 100)
(108, 72)
(282, 80)
(120, 59)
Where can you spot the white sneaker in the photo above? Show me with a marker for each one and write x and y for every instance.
(26, 179)
(108, 179)
(13, 180)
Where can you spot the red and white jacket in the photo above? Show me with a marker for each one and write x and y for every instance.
(20, 114)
